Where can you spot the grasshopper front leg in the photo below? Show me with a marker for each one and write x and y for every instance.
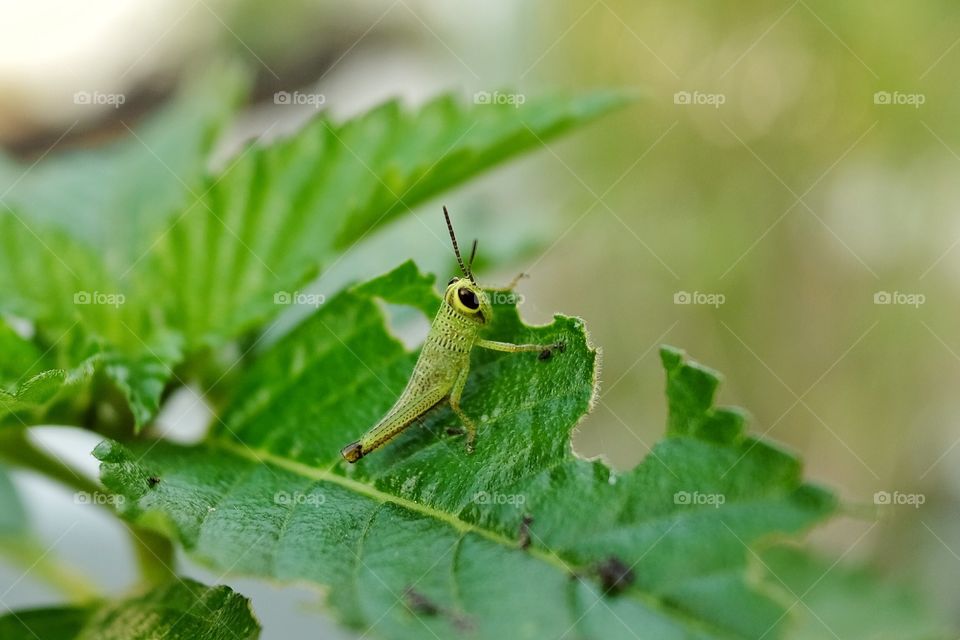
(546, 350)
(455, 393)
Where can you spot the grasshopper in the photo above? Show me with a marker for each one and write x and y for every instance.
(441, 370)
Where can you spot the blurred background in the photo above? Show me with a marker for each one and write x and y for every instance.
(781, 203)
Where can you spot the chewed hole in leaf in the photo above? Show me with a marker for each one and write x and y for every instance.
(407, 324)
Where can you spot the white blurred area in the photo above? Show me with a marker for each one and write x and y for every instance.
(52, 49)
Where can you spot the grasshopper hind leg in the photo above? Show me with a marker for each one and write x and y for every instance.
(404, 413)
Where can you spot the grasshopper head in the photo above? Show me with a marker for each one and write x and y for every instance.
(469, 300)
(464, 295)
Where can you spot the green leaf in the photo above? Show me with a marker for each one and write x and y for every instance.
(81, 223)
(31, 381)
(181, 610)
(280, 212)
(36, 377)
(404, 285)
(79, 320)
(41, 270)
(117, 196)
(142, 374)
(420, 533)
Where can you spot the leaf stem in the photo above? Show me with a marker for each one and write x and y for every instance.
(44, 565)
(155, 555)
(17, 451)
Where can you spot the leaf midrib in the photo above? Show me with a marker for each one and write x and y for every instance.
(463, 527)
(326, 475)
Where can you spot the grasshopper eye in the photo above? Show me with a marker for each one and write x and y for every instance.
(468, 299)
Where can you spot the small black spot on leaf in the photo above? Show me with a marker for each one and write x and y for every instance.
(615, 575)
(419, 603)
(524, 538)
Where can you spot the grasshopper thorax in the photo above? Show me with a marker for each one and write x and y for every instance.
(468, 300)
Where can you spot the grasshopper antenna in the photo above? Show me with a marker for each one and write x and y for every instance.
(456, 247)
(473, 254)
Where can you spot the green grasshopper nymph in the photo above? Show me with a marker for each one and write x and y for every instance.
(444, 362)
